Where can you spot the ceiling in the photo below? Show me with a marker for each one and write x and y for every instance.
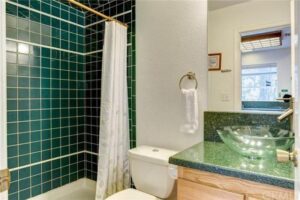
(218, 4)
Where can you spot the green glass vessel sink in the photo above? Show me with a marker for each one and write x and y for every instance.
(256, 141)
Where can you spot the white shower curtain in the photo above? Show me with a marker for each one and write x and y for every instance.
(113, 164)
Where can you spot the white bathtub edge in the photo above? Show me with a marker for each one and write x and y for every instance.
(56, 193)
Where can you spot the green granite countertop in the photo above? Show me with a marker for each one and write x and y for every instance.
(216, 157)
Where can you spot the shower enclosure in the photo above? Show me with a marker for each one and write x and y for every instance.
(53, 72)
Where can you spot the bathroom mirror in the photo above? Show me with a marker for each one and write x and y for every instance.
(252, 39)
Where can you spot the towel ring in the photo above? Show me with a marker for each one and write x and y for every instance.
(190, 76)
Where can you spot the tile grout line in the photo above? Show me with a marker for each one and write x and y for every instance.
(103, 20)
(34, 10)
(51, 159)
(70, 22)
(100, 50)
(59, 49)
(45, 46)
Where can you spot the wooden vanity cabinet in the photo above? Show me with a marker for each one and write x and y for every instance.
(200, 185)
(189, 190)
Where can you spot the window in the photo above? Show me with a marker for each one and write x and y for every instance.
(259, 82)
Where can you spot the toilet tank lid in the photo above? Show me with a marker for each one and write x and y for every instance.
(152, 154)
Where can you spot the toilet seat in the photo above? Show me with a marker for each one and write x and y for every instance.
(131, 194)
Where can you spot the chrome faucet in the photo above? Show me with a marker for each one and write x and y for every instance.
(288, 112)
(285, 156)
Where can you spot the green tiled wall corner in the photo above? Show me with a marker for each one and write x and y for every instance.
(50, 130)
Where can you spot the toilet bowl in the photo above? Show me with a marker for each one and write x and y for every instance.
(150, 172)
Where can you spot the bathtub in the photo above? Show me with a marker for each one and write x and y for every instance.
(82, 189)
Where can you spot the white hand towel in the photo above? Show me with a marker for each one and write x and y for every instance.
(190, 98)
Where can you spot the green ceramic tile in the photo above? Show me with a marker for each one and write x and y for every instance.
(45, 7)
(36, 157)
(24, 149)
(36, 169)
(23, 82)
(11, 93)
(11, 69)
(12, 33)
(46, 187)
(34, 16)
(24, 138)
(12, 162)
(12, 116)
(36, 51)
(35, 82)
(23, 70)
(24, 194)
(11, 46)
(35, 38)
(14, 187)
(35, 115)
(22, 12)
(24, 173)
(23, 104)
(23, 93)
(35, 27)
(12, 151)
(23, 24)
(56, 152)
(36, 180)
(23, 126)
(36, 190)
(24, 183)
(23, 59)
(46, 73)
(35, 125)
(12, 82)
(35, 136)
(35, 5)
(35, 146)
(24, 2)
(46, 20)
(55, 11)
(24, 160)
(12, 128)
(23, 35)
(11, 57)
(46, 40)
(12, 139)
(11, 9)
(35, 71)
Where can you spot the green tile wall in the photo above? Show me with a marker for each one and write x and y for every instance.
(45, 90)
(54, 87)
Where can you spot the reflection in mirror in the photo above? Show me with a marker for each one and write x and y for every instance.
(254, 39)
(265, 73)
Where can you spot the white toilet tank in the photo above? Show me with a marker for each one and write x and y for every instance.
(150, 170)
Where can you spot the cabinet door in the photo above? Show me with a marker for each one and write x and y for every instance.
(188, 190)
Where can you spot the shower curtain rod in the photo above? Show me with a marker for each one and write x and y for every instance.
(96, 12)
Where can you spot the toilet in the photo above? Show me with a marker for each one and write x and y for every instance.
(151, 174)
